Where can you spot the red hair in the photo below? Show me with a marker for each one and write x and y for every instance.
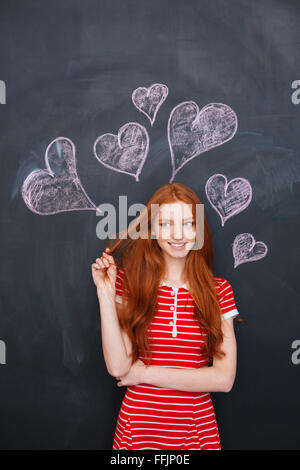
(144, 267)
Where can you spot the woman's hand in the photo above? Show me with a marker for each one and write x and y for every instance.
(135, 375)
(104, 272)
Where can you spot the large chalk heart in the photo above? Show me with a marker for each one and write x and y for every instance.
(125, 152)
(228, 199)
(58, 188)
(246, 249)
(192, 132)
(149, 100)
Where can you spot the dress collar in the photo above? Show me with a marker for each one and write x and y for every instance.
(163, 283)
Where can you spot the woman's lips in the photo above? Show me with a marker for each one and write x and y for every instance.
(177, 246)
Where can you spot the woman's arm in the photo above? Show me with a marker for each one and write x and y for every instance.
(115, 342)
(217, 378)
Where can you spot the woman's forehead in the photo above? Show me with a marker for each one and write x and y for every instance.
(174, 209)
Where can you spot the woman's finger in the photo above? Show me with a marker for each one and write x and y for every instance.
(100, 263)
(105, 262)
(107, 254)
(108, 257)
(110, 261)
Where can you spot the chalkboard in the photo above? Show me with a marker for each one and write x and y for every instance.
(77, 80)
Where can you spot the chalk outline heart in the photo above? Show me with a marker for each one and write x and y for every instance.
(253, 244)
(198, 112)
(227, 184)
(118, 137)
(148, 90)
(50, 174)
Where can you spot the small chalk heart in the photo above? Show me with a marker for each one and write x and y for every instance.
(246, 249)
(149, 100)
(228, 198)
(125, 152)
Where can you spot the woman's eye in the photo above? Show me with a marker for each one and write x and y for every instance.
(167, 223)
(192, 223)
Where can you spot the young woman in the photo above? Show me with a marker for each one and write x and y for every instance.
(167, 326)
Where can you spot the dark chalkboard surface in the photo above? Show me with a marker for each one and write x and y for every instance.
(70, 71)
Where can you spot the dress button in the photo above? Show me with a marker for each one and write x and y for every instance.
(170, 323)
(172, 308)
(172, 292)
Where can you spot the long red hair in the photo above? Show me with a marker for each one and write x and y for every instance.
(144, 267)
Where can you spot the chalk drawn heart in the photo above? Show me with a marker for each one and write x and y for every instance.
(149, 100)
(228, 199)
(58, 188)
(246, 249)
(125, 152)
(192, 132)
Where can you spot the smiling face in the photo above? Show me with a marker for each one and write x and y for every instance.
(175, 229)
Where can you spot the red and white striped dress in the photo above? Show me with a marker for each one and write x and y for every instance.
(153, 417)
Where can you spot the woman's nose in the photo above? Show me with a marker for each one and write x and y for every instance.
(177, 232)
